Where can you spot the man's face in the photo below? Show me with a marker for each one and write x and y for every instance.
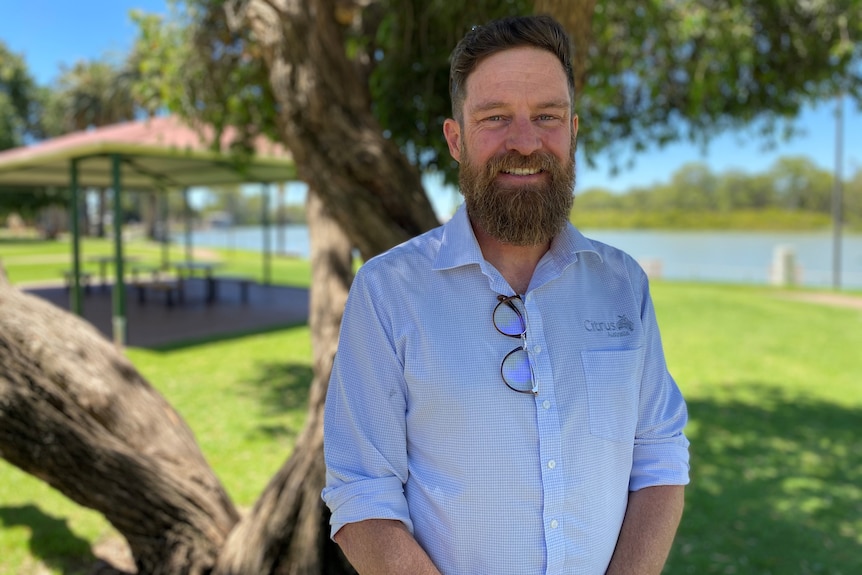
(516, 146)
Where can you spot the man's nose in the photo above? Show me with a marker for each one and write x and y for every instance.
(523, 137)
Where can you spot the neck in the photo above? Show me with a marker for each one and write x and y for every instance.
(515, 263)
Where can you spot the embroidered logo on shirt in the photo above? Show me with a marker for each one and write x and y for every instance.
(622, 327)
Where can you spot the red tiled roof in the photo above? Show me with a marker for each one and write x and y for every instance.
(161, 149)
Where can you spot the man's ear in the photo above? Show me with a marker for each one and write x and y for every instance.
(452, 132)
(575, 125)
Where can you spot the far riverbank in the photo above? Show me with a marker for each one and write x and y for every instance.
(715, 256)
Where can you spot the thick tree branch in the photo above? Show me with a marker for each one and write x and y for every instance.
(75, 413)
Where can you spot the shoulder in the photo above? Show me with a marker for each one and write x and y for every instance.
(415, 256)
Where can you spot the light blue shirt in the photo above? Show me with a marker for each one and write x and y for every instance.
(420, 427)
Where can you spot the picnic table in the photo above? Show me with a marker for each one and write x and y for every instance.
(188, 270)
(104, 262)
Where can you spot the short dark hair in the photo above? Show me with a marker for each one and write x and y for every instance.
(540, 31)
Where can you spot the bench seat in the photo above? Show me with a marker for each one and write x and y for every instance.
(242, 281)
(85, 277)
(172, 290)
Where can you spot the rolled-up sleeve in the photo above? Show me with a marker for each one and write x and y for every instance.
(661, 449)
(364, 418)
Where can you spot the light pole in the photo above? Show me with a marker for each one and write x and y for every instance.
(837, 193)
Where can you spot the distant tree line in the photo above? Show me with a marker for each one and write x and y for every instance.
(794, 193)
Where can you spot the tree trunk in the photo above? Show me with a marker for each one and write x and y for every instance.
(102, 211)
(75, 413)
(151, 214)
(287, 532)
(577, 18)
(365, 194)
(325, 120)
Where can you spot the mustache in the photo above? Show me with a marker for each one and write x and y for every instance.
(543, 161)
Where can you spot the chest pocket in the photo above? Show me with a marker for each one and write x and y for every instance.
(613, 387)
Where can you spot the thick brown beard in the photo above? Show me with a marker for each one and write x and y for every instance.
(523, 216)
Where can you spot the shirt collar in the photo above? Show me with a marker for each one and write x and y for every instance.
(458, 245)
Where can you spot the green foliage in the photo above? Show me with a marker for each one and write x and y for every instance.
(659, 70)
(18, 100)
(410, 80)
(748, 220)
(192, 64)
(656, 71)
(91, 94)
(794, 194)
(28, 202)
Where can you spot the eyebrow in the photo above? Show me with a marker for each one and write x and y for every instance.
(497, 104)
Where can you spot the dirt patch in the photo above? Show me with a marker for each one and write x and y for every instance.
(824, 298)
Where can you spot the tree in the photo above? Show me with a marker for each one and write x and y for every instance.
(340, 81)
(18, 99)
(853, 200)
(20, 121)
(92, 94)
(739, 190)
(801, 185)
(692, 188)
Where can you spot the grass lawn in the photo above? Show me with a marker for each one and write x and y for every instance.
(33, 260)
(774, 388)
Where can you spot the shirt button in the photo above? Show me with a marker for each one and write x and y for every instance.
(554, 524)
(546, 404)
(552, 464)
(537, 349)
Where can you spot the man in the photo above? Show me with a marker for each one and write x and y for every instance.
(447, 450)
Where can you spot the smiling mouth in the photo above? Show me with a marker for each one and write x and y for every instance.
(522, 171)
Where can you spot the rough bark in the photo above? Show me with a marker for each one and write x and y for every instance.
(577, 18)
(75, 413)
(287, 532)
(369, 186)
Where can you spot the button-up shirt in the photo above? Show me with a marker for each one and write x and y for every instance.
(420, 427)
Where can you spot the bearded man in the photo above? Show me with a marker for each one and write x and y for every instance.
(500, 402)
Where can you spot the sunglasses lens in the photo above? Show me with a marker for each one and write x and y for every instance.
(507, 320)
(516, 371)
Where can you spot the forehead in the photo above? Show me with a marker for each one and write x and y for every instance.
(522, 74)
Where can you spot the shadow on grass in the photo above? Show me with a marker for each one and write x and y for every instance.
(776, 487)
(51, 540)
(226, 337)
(281, 388)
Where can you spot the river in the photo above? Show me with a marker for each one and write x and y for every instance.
(735, 257)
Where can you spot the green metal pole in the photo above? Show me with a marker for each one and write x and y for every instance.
(166, 232)
(267, 249)
(187, 216)
(838, 193)
(76, 302)
(119, 295)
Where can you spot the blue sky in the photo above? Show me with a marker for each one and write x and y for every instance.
(51, 33)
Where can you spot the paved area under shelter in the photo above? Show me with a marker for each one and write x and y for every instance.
(154, 323)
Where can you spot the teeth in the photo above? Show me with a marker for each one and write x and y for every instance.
(523, 171)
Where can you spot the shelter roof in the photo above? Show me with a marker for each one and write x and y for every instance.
(161, 152)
